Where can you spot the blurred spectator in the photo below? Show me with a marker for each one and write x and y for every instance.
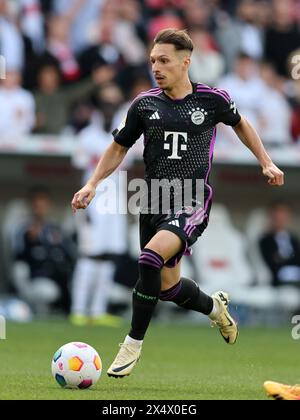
(139, 84)
(82, 15)
(131, 11)
(240, 33)
(166, 20)
(295, 129)
(292, 89)
(126, 34)
(207, 63)
(53, 102)
(103, 51)
(276, 111)
(249, 34)
(227, 36)
(51, 112)
(280, 248)
(32, 23)
(44, 258)
(196, 13)
(282, 37)
(263, 15)
(117, 47)
(246, 89)
(115, 43)
(31, 64)
(101, 236)
(17, 114)
(11, 44)
(108, 98)
(58, 45)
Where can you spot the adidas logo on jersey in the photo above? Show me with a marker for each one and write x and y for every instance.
(155, 116)
(174, 223)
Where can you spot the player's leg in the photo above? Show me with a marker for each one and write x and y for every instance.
(161, 247)
(170, 277)
(186, 293)
(103, 284)
(83, 280)
(146, 293)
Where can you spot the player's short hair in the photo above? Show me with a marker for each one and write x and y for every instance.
(177, 37)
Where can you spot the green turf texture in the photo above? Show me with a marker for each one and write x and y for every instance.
(179, 362)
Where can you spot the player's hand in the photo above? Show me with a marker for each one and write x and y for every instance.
(83, 197)
(275, 175)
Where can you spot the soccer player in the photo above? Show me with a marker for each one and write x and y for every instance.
(178, 120)
(282, 392)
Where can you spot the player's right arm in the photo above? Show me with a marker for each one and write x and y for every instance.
(124, 137)
(110, 160)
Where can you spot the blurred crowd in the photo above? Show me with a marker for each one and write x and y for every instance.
(69, 59)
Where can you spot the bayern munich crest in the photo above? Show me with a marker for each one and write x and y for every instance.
(198, 116)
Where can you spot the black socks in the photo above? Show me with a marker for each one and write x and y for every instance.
(146, 292)
(188, 295)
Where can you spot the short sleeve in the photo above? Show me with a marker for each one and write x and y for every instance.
(226, 110)
(130, 129)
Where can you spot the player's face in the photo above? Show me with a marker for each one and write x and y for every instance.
(169, 66)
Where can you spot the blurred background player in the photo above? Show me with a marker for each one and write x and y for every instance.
(101, 234)
(17, 107)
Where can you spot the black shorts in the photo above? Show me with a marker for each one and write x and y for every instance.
(187, 226)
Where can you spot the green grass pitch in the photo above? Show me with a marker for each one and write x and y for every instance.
(178, 362)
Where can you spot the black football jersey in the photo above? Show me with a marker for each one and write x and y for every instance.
(179, 135)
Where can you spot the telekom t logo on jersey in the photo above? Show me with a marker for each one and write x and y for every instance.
(175, 143)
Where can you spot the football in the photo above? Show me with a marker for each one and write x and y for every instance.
(76, 365)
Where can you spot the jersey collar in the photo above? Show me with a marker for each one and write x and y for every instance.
(194, 85)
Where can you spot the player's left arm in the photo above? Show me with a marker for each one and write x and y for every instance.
(227, 113)
(248, 135)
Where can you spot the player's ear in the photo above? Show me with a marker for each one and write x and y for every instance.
(187, 60)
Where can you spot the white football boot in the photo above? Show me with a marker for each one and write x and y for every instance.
(126, 359)
(224, 321)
